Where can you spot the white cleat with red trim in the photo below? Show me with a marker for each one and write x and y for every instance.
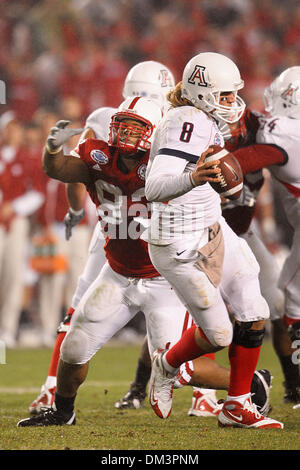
(161, 387)
(205, 405)
(234, 414)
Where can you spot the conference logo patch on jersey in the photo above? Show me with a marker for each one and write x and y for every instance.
(99, 157)
(197, 77)
(141, 171)
(218, 140)
(290, 94)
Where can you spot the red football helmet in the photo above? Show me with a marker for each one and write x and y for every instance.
(132, 127)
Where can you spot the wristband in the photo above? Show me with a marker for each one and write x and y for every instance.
(77, 213)
(53, 152)
(192, 180)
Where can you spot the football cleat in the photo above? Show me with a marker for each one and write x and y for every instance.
(134, 398)
(291, 394)
(260, 390)
(205, 404)
(50, 417)
(234, 414)
(44, 401)
(161, 386)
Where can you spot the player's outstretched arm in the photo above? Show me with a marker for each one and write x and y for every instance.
(56, 164)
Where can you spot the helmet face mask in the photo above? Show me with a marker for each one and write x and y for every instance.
(129, 133)
(282, 96)
(133, 125)
(208, 75)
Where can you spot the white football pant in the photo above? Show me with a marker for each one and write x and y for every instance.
(239, 286)
(110, 302)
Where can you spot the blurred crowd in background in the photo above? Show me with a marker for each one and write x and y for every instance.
(62, 59)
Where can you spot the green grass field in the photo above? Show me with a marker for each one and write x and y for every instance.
(101, 426)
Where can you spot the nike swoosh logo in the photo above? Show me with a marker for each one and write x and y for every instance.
(153, 400)
(236, 177)
(178, 254)
(238, 418)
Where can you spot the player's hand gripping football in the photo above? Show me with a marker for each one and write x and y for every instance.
(59, 134)
(206, 171)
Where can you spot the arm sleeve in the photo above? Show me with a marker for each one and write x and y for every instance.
(167, 179)
(258, 156)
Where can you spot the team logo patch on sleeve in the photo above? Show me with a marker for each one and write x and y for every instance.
(141, 171)
(99, 157)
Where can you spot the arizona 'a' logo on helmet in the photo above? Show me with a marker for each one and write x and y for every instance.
(197, 77)
(165, 78)
(290, 94)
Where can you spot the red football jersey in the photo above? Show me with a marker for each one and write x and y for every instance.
(119, 196)
(239, 217)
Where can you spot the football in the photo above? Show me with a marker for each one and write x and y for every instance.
(231, 183)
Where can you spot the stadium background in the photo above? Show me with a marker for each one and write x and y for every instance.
(65, 58)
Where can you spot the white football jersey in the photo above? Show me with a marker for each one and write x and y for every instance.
(179, 210)
(285, 133)
(99, 122)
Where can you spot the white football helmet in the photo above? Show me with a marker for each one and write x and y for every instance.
(205, 77)
(131, 137)
(149, 79)
(282, 97)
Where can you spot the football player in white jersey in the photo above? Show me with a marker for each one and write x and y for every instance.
(282, 129)
(186, 225)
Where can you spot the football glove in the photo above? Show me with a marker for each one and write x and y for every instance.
(72, 218)
(59, 134)
(247, 198)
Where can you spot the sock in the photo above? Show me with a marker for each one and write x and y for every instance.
(290, 371)
(142, 376)
(65, 405)
(241, 399)
(56, 350)
(210, 355)
(243, 362)
(289, 321)
(55, 354)
(186, 349)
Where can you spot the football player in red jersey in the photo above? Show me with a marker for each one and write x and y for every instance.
(150, 79)
(114, 175)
